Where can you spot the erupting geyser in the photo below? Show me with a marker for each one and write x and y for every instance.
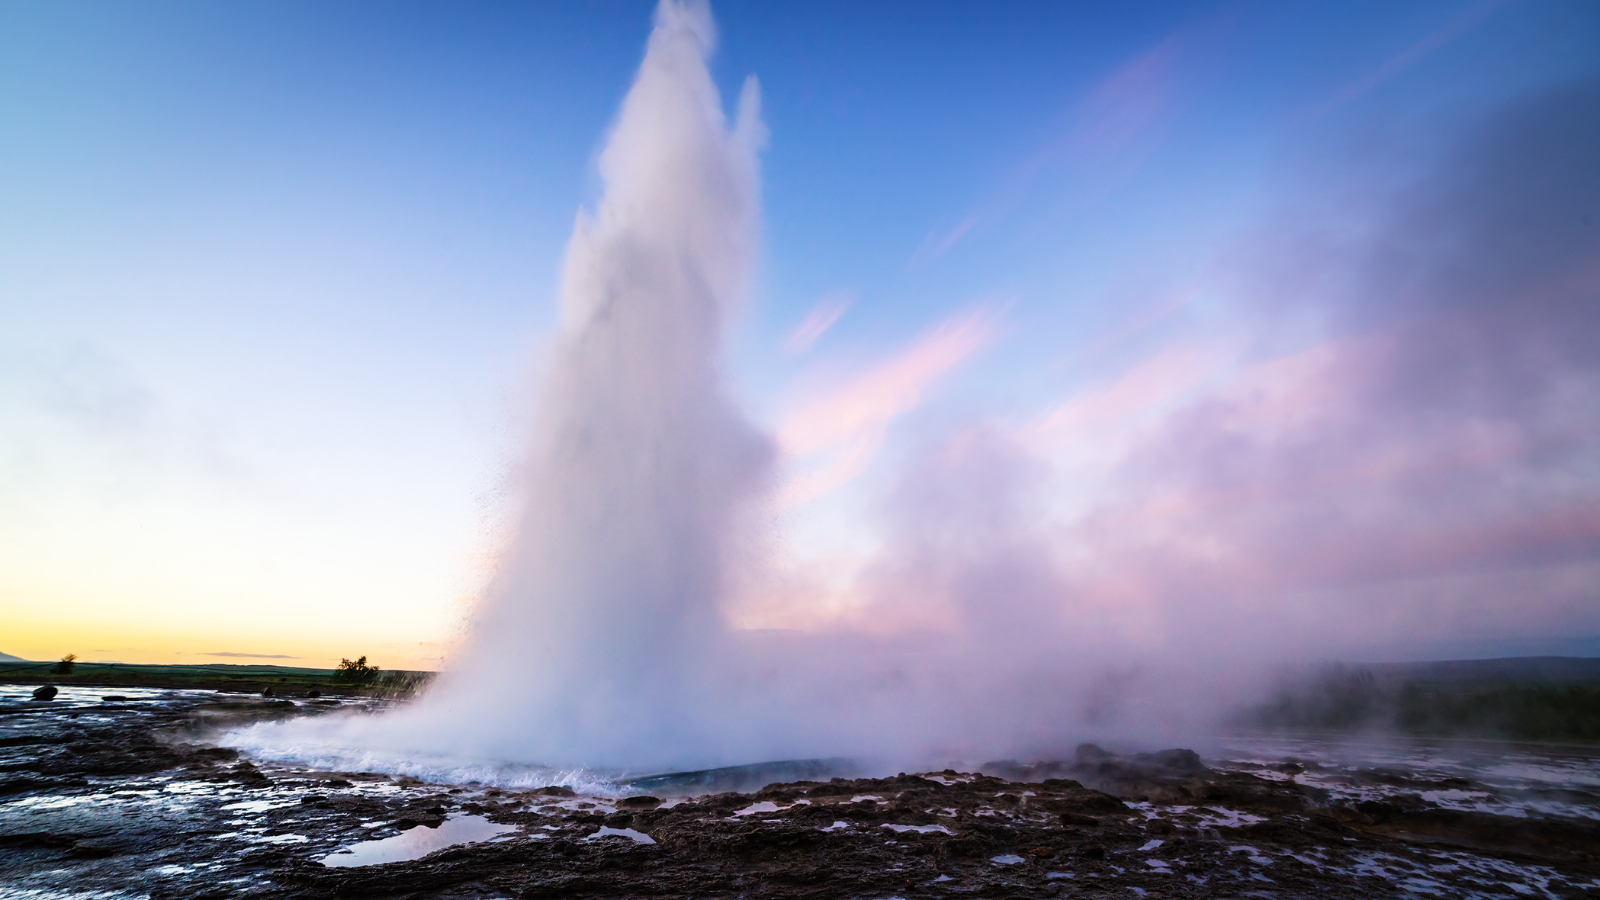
(1126, 566)
(601, 645)
(591, 645)
(595, 630)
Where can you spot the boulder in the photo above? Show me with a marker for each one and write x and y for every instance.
(48, 692)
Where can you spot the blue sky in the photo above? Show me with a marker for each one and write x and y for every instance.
(273, 277)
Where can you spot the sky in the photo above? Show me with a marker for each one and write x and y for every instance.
(1282, 310)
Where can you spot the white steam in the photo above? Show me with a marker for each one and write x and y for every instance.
(991, 623)
(602, 644)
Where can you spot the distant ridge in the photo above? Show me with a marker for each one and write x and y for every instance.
(6, 657)
(1513, 668)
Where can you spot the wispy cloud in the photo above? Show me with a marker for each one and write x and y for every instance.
(1418, 451)
(821, 318)
(253, 655)
(1149, 388)
(1459, 24)
(1127, 101)
(1110, 115)
(833, 438)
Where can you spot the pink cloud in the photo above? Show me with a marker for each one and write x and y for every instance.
(821, 318)
(1416, 463)
(1459, 24)
(1110, 115)
(1144, 390)
(836, 436)
(1128, 100)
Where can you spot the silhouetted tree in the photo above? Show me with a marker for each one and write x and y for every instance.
(66, 665)
(356, 672)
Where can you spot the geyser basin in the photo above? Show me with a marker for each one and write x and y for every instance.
(126, 803)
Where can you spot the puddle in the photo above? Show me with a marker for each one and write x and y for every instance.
(417, 843)
(1010, 859)
(764, 806)
(637, 837)
(920, 829)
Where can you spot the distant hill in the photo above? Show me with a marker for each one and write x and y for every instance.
(1515, 668)
(1542, 698)
(6, 657)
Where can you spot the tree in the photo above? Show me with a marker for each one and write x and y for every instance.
(357, 672)
(66, 665)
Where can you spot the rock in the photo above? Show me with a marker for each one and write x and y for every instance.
(556, 791)
(114, 698)
(1092, 754)
(268, 693)
(1177, 761)
(638, 803)
(313, 694)
(48, 692)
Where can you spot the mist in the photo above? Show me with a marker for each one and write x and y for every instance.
(1399, 434)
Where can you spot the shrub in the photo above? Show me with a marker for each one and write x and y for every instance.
(356, 672)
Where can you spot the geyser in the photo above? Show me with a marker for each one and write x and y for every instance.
(593, 641)
(1125, 568)
(595, 633)
(601, 644)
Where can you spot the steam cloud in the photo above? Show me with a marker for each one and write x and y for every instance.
(1408, 442)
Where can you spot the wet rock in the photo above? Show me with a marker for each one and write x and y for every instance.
(23, 785)
(37, 840)
(1091, 755)
(47, 692)
(247, 775)
(555, 791)
(1176, 761)
(1051, 823)
(94, 849)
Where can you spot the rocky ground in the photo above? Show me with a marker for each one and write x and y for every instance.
(125, 798)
